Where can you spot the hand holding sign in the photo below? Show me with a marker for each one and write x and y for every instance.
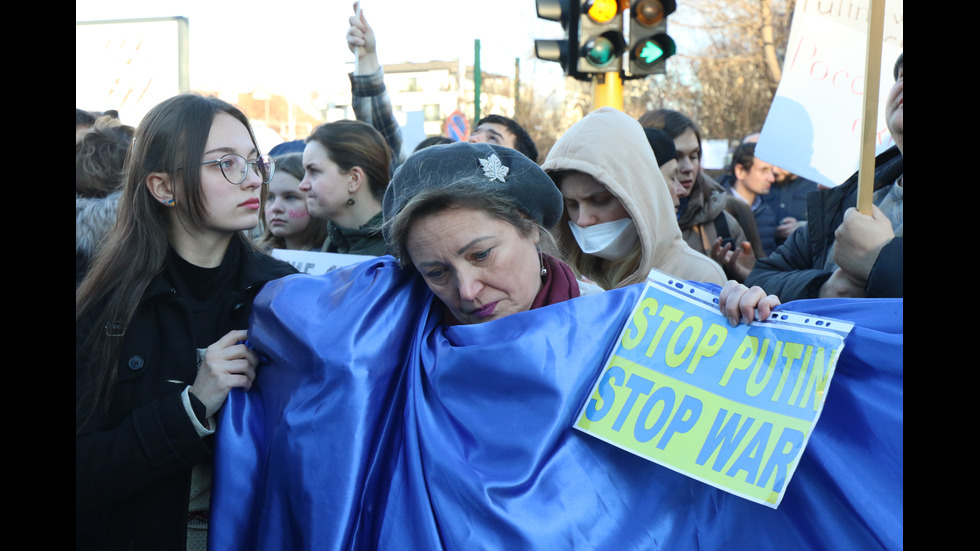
(362, 42)
(739, 303)
(859, 240)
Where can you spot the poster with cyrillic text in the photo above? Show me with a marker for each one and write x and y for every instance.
(732, 407)
(814, 123)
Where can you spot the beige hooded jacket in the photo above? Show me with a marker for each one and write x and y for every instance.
(610, 146)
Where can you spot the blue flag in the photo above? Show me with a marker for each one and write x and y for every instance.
(372, 426)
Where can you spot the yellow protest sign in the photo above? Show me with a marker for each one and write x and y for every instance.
(730, 406)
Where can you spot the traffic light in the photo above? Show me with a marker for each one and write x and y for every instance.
(595, 38)
(566, 12)
(650, 46)
(600, 36)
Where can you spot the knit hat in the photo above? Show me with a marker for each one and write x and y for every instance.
(488, 166)
(662, 144)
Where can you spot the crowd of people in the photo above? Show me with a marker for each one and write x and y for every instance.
(175, 220)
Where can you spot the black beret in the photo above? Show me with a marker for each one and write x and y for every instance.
(505, 170)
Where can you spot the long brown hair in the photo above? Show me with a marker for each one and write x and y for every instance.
(676, 123)
(351, 143)
(171, 139)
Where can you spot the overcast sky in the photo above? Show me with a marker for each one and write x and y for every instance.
(247, 43)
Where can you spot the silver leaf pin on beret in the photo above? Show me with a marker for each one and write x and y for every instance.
(493, 168)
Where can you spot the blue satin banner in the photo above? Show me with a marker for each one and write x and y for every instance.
(372, 426)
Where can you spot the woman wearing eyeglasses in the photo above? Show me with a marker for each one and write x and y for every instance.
(160, 325)
(347, 171)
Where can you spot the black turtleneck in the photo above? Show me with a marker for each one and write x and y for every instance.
(209, 293)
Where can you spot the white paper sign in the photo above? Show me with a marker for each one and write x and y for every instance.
(316, 262)
(814, 123)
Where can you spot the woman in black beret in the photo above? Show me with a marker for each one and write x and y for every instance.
(474, 220)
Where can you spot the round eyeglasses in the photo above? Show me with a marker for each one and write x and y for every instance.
(234, 167)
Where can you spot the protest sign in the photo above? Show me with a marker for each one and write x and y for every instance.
(730, 406)
(814, 123)
(854, 14)
(315, 262)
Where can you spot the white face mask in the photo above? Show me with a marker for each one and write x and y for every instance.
(610, 240)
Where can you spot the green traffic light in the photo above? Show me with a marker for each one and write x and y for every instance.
(651, 52)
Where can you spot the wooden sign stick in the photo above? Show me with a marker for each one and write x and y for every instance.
(869, 121)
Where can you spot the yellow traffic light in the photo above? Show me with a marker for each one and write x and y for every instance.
(602, 11)
(600, 36)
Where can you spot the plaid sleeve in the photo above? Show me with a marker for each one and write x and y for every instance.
(373, 106)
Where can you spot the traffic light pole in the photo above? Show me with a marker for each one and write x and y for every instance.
(607, 91)
(477, 81)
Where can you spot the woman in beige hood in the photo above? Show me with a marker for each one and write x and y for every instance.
(639, 228)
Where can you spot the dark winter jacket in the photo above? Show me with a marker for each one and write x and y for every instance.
(796, 269)
(133, 464)
(789, 199)
(766, 222)
(366, 240)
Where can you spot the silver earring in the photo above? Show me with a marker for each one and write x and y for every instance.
(544, 271)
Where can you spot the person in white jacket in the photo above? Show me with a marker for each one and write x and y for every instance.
(619, 220)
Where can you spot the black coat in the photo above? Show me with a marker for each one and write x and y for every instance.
(796, 269)
(133, 464)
